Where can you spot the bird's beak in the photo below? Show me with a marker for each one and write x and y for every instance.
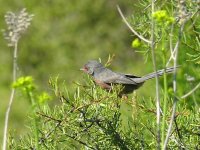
(82, 69)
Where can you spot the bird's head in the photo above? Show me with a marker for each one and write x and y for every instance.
(91, 66)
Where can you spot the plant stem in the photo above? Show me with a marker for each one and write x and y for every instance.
(30, 95)
(191, 92)
(11, 97)
(165, 88)
(157, 82)
(174, 88)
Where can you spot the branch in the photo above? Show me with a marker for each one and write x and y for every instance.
(129, 26)
(174, 87)
(193, 90)
(171, 45)
(79, 141)
(157, 81)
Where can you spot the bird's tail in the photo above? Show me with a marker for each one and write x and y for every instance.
(159, 73)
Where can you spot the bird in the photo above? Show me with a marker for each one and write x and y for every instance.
(105, 77)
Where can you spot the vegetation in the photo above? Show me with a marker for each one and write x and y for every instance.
(81, 115)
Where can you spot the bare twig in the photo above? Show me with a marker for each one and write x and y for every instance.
(183, 18)
(171, 45)
(192, 91)
(79, 141)
(173, 53)
(157, 82)
(49, 117)
(148, 6)
(174, 88)
(180, 143)
(129, 26)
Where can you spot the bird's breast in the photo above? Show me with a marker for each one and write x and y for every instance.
(102, 84)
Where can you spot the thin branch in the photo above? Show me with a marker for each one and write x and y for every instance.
(171, 45)
(174, 88)
(148, 6)
(79, 141)
(49, 117)
(157, 81)
(173, 53)
(129, 26)
(180, 143)
(192, 91)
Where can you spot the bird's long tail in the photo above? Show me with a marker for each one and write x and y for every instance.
(159, 73)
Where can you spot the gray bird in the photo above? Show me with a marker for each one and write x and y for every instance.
(105, 77)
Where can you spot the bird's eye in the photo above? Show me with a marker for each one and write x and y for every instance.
(86, 68)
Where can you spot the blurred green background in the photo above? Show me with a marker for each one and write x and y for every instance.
(64, 35)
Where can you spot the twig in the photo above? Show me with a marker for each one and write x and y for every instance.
(148, 6)
(49, 117)
(157, 82)
(129, 26)
(79, 141)
(171, 45)
(193, 90)
(91, 103)
(11, 97)
(174, 88)
(181, 144)
(50, 132)
(173, 53)
(114, 134)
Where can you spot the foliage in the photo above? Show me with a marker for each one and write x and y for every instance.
(167, 36)
(162, 18)
(93, 118)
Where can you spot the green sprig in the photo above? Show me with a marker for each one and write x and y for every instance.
(25, 83)
(162, 17)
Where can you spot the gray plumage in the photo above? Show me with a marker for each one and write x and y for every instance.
(106, 77)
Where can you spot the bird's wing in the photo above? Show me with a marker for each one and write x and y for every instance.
(120, 79)
(131, 76)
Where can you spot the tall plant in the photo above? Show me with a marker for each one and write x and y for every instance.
(17, 24)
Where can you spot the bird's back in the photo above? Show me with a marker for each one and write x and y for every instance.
(108, 76)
